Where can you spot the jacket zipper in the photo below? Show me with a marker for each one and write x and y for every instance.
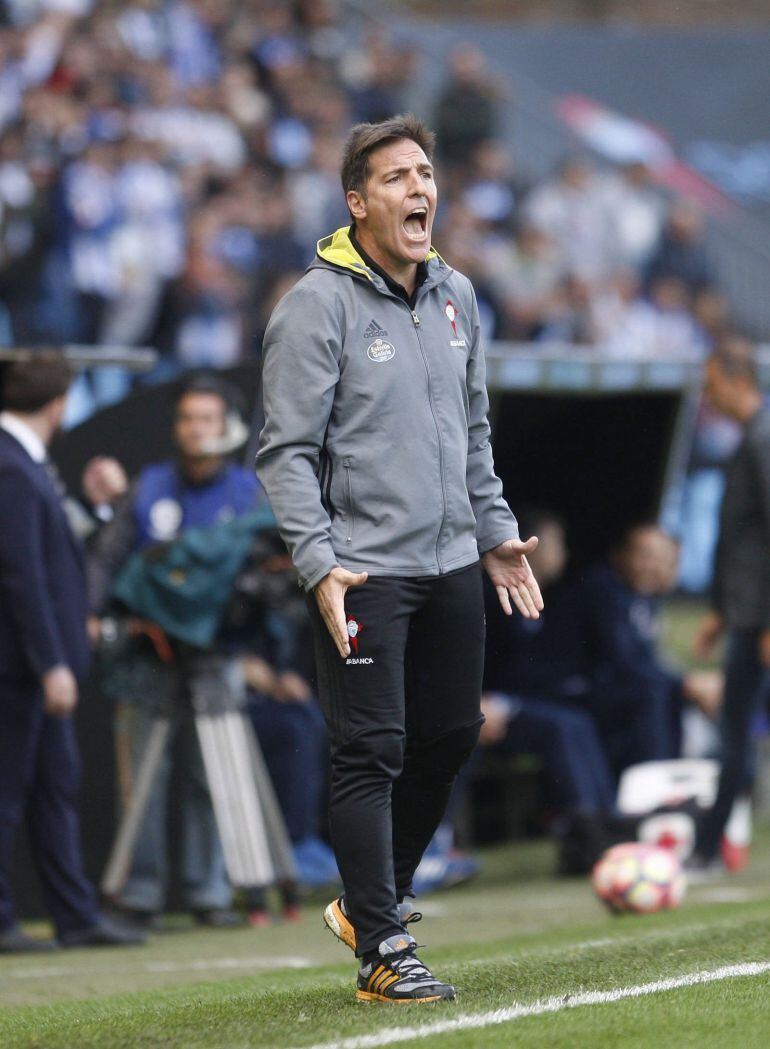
(416, 322)
(349, 493)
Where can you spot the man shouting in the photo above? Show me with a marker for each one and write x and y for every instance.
(375, 455)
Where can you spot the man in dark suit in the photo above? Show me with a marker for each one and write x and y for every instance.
(741, 591)
(43, 655)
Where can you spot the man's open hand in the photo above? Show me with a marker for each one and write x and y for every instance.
(330, 595)
(509, 570)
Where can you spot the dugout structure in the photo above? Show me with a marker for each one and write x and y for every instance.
(603, 442)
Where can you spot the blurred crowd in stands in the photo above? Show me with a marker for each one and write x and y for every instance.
(167, 168)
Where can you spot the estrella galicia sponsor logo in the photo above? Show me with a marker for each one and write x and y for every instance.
(353, 661)
(374, 331)
(380, 351)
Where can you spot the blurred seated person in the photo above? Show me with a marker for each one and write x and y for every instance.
(583, 687)
(199, 487)
(548, 657)
(534, 682)
(634, 696)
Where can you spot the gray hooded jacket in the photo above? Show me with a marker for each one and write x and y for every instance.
(375, 452)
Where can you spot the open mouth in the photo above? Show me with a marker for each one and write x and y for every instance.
(416, 223)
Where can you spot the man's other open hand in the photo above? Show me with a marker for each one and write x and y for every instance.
(509, 570)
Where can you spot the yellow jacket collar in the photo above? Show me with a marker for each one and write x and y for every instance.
(338, 250)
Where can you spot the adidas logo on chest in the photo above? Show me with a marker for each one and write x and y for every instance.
(374, 331)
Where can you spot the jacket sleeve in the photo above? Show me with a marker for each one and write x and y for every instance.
(301, 353)
(494, 521)
(23, 583)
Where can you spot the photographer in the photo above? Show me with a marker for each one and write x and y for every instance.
(200, 487)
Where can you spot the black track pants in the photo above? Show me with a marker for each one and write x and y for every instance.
(403, 713)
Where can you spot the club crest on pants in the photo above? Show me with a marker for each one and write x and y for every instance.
(354, 629)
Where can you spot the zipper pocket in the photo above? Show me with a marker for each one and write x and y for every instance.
(351, 517)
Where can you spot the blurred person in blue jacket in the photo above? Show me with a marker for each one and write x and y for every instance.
(199, 487)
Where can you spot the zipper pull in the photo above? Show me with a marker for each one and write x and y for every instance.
(416, 319)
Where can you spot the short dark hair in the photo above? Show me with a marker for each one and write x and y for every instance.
(365, 138)
(735, 357)
(210, 383)
(31, 384)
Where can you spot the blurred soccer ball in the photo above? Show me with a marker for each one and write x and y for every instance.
(639, 878)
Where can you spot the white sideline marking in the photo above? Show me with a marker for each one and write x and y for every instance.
(549, 1005)
(196, 965)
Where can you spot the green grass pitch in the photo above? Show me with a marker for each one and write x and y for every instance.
(514, 937)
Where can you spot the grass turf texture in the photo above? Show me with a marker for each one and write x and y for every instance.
(514, 936)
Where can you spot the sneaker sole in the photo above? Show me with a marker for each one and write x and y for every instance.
(370, 996)
(337, 924)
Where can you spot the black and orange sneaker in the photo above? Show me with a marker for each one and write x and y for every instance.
(399, 977)
(338, 922)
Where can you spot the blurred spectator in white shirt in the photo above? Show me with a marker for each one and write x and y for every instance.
(659, 326)
(574, 210)
(636, 214)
